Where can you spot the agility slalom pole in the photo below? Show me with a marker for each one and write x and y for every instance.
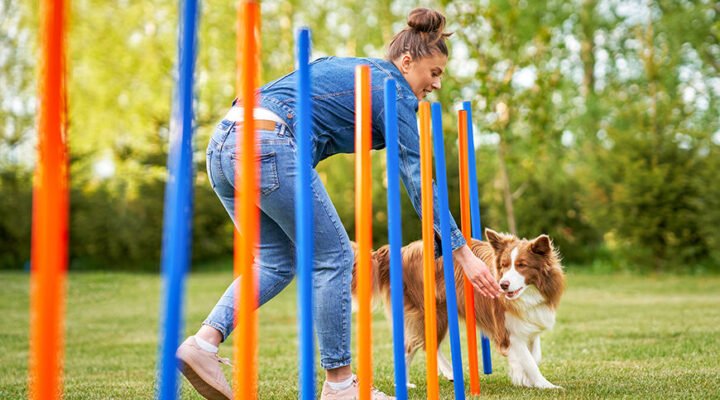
(467, 286)
(363, 223)
(475, 217)
(395, 237)
(246, 212)
(50, 212)
(304, 217)
(177, 224)
(448, 268)
(428, 238)
(242, 24)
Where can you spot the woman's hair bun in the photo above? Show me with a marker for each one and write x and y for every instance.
(426, 20)
(423, 36)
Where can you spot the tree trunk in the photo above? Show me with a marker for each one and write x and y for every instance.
(507, 193)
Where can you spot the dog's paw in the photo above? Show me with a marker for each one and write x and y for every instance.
(545, 384)
(447, 375)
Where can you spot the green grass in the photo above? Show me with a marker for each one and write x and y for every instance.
(617, 336)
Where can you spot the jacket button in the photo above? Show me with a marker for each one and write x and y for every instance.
(289, 115)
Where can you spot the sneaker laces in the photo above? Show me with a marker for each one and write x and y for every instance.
(374, 390)
(222, 360)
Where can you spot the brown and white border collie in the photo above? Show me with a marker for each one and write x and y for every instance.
(531, 276)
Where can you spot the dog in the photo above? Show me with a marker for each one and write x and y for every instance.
(531, 277)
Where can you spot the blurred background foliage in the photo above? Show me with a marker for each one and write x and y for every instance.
(596, 122)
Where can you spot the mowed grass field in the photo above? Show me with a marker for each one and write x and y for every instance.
(617, 336)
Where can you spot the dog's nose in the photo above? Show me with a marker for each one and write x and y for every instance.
(504, 285)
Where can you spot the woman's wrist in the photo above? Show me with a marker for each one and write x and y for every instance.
(462, 255)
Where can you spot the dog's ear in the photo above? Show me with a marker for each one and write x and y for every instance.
(541, 245)
(496, 240)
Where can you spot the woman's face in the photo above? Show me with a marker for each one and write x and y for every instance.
(423, 74)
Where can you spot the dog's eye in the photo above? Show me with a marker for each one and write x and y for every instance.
(521, 265)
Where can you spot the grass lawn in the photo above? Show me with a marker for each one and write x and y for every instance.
(617, 336)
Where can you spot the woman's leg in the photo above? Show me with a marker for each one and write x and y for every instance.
(333, 255)
(275, 263)
(275, 267)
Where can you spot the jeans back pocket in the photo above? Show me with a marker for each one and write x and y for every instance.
(269, 181)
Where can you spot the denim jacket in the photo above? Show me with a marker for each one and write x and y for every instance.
(333, 127)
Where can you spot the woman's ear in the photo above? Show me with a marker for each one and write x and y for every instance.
(406, 62)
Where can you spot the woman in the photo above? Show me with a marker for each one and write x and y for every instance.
(416, 60)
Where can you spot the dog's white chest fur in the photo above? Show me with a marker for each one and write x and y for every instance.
(536, 316)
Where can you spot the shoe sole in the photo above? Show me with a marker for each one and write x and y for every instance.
(205, 389)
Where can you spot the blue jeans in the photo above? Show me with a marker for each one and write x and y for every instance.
(275, 261)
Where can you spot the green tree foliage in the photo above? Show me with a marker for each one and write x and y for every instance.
(16, 151)
(15, 221)
(645, 176)
(596, 121)
(520, 97)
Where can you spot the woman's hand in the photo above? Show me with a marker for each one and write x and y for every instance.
(477, 272)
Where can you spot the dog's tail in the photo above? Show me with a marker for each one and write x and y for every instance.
(379, 267)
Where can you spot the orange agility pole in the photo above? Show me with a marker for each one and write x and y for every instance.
(246, 211)
(428, 238)
(363, 223)
(466, 228)
(50, 212)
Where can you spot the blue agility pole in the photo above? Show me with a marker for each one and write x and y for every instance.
(304, 218)
(177, 215)
(475, 217)
(395, 236)
(448, 269)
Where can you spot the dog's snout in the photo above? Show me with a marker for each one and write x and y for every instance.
(504, 285)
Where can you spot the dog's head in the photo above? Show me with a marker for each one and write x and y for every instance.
(525, 263)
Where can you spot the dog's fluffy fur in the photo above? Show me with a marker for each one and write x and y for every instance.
(532, 279)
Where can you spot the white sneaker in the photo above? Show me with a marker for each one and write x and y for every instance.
(350, 393)
(202, 370)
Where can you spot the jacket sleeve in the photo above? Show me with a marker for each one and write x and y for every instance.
(409, 151)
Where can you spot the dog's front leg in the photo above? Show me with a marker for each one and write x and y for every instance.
(516, 370)
(409, 355)
(444, 366)
(524, 370)
(535, 349)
